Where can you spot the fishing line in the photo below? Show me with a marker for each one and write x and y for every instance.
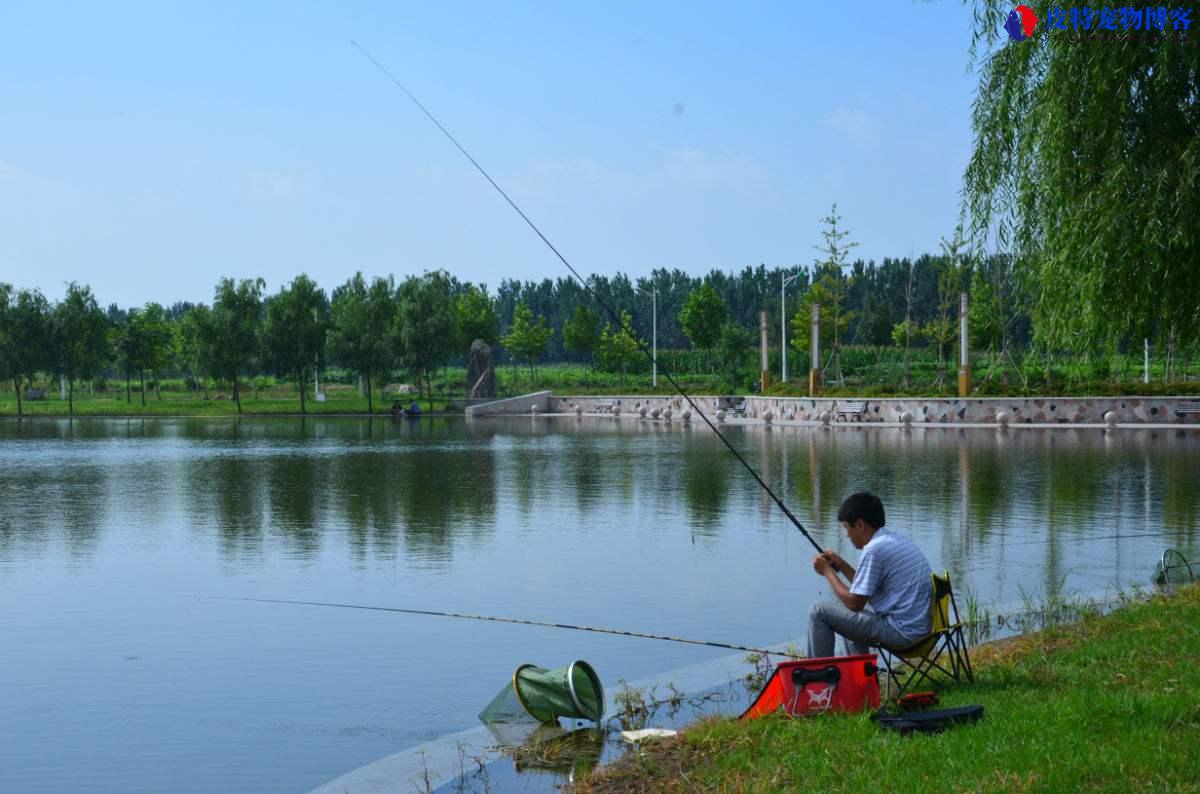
(494, 619)
(640, 344)
(1090, 538)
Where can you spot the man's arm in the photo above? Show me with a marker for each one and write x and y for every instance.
(855, 603)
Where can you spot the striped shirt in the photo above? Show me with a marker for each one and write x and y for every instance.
(895, 577)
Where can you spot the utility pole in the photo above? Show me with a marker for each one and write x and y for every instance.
(964, 352)
(762, 339)
(814, 353)
(653, 333)
(783, 282)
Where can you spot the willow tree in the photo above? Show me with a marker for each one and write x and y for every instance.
(24, 336)
(293, 330)
(361, 319)
(1086, 165)
(79, 329)
(426, 332)
(230, 330)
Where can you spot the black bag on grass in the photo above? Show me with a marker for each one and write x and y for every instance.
(933, 721)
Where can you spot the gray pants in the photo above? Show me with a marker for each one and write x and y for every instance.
(861, 629)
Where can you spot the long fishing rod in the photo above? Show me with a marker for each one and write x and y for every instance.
(616, 318)
(494, 619)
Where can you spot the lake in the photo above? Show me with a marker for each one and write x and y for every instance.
(119, 674)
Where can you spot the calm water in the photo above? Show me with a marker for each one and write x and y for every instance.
(117, 675)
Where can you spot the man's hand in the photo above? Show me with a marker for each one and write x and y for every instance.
(835, 559)
(838, 564)
(824, 564)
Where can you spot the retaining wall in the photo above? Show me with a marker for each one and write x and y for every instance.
(982, 410)
(1030, 410)
(511, 405)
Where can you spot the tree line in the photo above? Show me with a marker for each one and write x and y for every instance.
(422, 323)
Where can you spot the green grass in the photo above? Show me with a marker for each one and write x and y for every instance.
(868, 373)
(1109, 704)
(278, 400)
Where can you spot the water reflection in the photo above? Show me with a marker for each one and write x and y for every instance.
(434, 483)
(111, 527)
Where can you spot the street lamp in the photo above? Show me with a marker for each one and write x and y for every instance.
(653, 292)
(783, 282)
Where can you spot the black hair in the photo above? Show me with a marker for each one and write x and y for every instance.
(862, 505)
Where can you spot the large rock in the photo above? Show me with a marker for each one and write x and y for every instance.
(481, 374)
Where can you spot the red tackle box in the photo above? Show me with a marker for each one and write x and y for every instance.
(814, 686)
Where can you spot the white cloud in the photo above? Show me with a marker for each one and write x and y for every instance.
(715, 170)
(686, 167)
(854, 124)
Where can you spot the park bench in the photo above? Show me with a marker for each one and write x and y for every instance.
(1192, 407)
(35, 394)
(604, 406)
(738, 408)
(853, 410)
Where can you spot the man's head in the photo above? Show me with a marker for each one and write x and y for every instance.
(861, 514)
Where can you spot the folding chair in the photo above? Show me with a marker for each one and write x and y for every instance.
(942, 654)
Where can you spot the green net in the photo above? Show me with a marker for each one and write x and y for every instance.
(1177, 567)
(539, 694)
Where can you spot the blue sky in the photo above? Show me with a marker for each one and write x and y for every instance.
(149, 149)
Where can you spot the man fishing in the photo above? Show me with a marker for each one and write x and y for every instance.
(888, 600)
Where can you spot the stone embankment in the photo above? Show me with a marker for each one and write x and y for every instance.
(917, 411)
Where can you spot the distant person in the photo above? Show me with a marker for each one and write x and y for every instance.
(414, 409)
(890, 595)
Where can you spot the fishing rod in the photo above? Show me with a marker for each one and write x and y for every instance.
(616, 318)
(494, 619)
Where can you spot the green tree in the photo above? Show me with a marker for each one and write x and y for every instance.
(194, 337)
(703, 316)
(426, 331)
(476, 315)
(362, 319)
(581, 333)
(230, 331)
(875, 324)
(527, 338)
(127, 348)
(990, 315)
(80, 334)
(832, 278)
(826, 292)
(154, 331)
(24, 336)
(953, 268)
(293, 331)
(1086, 166)
(618, 348)
(732, 345)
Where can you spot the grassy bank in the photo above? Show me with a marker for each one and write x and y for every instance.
(186, 405)
(1109, 704)
(268, 395)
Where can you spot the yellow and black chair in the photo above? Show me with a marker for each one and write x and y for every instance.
(942, 655)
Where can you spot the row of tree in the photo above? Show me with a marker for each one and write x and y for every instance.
(425, 322)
